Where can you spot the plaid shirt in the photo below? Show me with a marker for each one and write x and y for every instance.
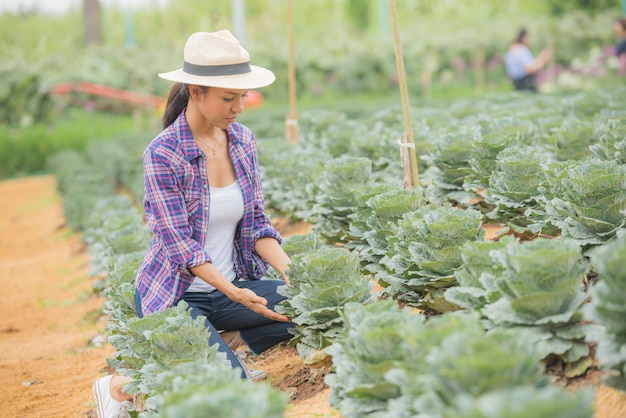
(176, 205)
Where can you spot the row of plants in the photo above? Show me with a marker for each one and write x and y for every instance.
(537, 165)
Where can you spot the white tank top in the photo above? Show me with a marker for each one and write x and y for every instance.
(225, 212)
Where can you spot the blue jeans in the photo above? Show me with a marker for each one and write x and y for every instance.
(257, 331)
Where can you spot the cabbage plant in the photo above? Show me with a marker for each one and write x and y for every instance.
(610, 140)
(608, 310)
(535, 285)
(322, 282)
(346, 185)
(392, 362)
(476, 285)
(449, 168)
(541, 288)
(514, 187)
(372, 225)
(424, 252)
(586, 200)
(202, 388)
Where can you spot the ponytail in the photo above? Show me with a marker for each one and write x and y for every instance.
(520, 35)
(176, 102)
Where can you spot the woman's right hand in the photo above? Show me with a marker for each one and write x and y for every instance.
(258, 304)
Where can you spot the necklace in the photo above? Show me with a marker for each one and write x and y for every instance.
(212, 148)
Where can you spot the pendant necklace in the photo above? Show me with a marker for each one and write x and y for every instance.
(213, 149)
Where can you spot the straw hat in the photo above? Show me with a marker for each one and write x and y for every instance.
(217, 59)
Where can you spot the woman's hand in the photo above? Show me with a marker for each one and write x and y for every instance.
(257, 304)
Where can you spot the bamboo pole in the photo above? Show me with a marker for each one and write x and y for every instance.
(291, 121)
(406, 111)
(405, 160)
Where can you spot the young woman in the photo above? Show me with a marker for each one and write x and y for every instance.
(212, 241)
(520, 65)
(619, 27)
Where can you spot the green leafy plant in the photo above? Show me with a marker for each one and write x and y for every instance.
(476, 285)
(449, 168)
(586, 200)
(424, 252)
(322, 282)
(207, 388)
(459, 368)
(610, 140)
(348, 179)
(514, 187)
(608, 310)
(533, 285)
(372, 225)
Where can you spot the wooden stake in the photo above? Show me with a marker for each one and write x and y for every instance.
(291, 121)
(406, 111)
(405, 161)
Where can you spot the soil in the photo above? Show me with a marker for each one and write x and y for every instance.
(52, 328)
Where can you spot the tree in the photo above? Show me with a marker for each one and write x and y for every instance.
(92, 22)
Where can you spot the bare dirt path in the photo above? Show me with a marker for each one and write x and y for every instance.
(49, 317)
(46, 297)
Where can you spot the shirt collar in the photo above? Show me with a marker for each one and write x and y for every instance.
(189, 146)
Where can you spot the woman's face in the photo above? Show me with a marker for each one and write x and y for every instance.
(617, 28)
(219, 106)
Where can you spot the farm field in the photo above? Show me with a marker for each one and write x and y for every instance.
(48, 326)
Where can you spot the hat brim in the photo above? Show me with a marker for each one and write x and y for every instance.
(258, 77)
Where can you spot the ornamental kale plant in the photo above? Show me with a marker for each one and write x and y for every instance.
(610, 140)
(586, 200)
(164, 339)
(287, 170)
(572, 139)
(608, 310)
(424, 252)
(476, 285)
(372, 224)
(448, 166)
(200, 388)
(485, 150)
(395, 363)
(534, 285)
(514, 187)
(541, 287)
(377, 338)
(322, 282)
(346, 182)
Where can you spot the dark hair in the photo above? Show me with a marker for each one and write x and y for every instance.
(520, 35)
(622, 22)
(176, 101)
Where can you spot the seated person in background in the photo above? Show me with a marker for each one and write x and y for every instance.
(620, 49)
(521, 66)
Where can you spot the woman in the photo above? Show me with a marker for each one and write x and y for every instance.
(619, 27)
(520, 65)
(212, 238)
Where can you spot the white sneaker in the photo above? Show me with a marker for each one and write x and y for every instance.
(106, 406)
(250, 374)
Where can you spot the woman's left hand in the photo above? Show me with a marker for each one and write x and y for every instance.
(258, 304)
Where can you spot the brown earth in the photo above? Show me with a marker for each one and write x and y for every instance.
(51, 327)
